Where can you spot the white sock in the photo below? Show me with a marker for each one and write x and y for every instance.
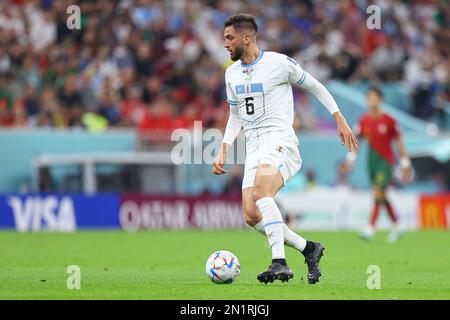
(395, 227)
(291, 239)
(294, 240)
(260, 227)
(369, 229)
(273, 225)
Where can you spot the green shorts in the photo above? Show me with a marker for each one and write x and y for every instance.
(380, 170)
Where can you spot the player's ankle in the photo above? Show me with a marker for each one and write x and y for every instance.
(280, 261)
(309, 248)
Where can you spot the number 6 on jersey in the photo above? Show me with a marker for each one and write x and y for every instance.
(249, 107)
(251, 98)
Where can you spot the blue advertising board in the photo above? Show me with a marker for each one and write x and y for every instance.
(58, 212)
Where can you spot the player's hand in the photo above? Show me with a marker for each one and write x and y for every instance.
(407, 175)
(217, 167)
(345, 133)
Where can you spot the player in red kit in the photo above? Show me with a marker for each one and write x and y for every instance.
(381, 131)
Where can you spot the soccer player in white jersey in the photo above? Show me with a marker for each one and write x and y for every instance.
(259, 91)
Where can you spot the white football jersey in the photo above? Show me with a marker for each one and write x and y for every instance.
(263, 92)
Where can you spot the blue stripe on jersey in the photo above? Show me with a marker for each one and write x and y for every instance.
(240, 89)
(270, 223)
(232, 102)
(302, 78)
(292, 60)
(254, 62)
(254, 87)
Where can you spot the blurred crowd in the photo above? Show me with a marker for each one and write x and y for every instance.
(155, 64)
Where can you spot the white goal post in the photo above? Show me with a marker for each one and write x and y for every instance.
(88, 162)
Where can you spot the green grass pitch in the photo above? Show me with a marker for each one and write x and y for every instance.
(171, 265)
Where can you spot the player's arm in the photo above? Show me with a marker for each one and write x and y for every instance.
(405, 162)
(397, 139)
(231, 132)
(404, 157)
(296, 75)
(316, 88)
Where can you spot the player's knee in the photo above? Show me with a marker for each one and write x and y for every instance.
(251, 216)
(258, 193)
(379, 194)
(250, 221)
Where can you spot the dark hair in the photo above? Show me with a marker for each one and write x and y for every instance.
(376, 90)
(241, 21)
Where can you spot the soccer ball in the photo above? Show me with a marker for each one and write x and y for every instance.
(223, 267)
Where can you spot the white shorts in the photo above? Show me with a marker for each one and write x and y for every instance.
(286, 158)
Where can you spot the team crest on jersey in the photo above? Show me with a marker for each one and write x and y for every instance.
(382, 128)
(248, 72)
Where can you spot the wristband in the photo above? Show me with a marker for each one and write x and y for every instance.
(405, 163)
(351, 157)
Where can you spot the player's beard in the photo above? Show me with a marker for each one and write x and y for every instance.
(237, 53)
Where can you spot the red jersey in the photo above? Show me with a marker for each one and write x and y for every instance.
(379, 131)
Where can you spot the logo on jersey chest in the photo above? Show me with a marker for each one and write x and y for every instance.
(382, 128)
(248, 73)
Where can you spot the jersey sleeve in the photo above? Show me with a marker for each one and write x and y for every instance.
(233, 126)
(231, 97)
(299, 77)
(295, 73)
(394, 129)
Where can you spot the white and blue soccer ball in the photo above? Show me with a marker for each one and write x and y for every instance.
(223, 267)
